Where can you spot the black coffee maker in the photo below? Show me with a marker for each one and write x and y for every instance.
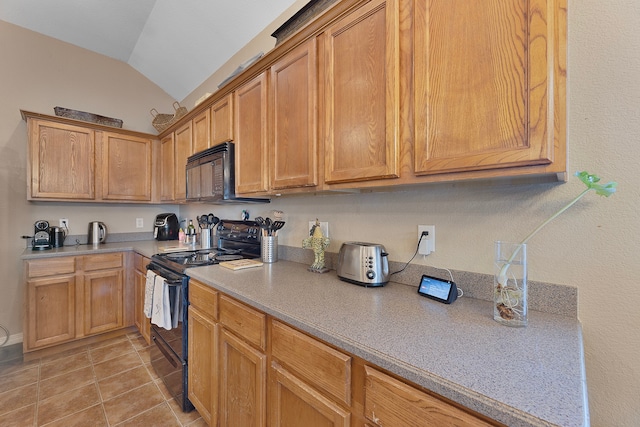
(42, 236)
(166, 227)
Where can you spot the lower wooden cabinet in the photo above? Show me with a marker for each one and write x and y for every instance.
(203, 351)
(249, 369)
(51, 311)
(295, 403)
(68, 298)
(142, 322)
(390, 402)
(243, 383)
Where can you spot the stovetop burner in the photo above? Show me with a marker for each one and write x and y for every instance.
(235, 239)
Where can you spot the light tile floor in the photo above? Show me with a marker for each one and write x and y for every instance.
(107, 384)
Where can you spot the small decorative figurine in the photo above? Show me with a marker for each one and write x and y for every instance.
(318, 243)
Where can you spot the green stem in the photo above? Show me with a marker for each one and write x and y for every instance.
(505, 267)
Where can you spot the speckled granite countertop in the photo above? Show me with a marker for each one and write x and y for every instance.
(531, 376)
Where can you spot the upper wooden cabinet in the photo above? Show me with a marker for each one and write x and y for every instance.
(183, 140)
(167, 168)
(293, 155)
(385, 93)
(126, 167)
(484, 84)
(362, 94)
(251, 136)
(62, 158)
(201, 131)
(71, 161)
(222, 120)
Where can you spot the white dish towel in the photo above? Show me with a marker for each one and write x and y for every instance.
(148, 293)
(161, 314)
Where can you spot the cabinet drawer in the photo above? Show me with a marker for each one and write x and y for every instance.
(204, 297)
(320, 365)
(246, 322)
(102, 261)
(140, 262)
(389, 402)
(51, 266)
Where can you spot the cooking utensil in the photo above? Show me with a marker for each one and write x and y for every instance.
(277, 225)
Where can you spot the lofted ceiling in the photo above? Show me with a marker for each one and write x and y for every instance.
(177, 44)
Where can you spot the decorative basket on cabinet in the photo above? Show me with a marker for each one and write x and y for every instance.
(163, 121)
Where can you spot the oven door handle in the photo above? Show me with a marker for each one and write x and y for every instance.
(165, 353)
(172, 279)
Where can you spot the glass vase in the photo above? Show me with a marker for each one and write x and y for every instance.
(510, 284)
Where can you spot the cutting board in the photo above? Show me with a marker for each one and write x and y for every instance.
(240, 264)
(166, 249)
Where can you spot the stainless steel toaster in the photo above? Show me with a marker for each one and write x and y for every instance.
(364, 264)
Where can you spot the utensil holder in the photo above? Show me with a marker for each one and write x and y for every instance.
(205, 238)
(269, 249)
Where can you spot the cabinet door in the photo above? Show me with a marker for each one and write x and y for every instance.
(222, 120)
(293, 154)
(203, 363)
(251, 136)
(61, 161)
(142, 322)
(361, 115)
(389, 402)
(243, 375)
(103, 303)
(293, 403)
(126, 167)
(183, 149)
(51, 311)
(167, 169)
(484, 97)
(201, 131)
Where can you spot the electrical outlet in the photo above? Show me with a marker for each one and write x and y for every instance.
(428, 242)
(64, 223)
(139, 223)
(324, 227)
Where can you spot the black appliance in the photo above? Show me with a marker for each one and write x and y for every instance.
(42, 236)
(169, 348)
(166, 227)
(57, 236)
(211, 176)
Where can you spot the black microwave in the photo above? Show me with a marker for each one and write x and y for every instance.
(211, 176)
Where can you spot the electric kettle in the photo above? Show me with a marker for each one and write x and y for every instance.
(97, 233)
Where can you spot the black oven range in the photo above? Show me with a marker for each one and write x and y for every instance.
(169, 346)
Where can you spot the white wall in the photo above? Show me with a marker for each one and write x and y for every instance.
(37, 74)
